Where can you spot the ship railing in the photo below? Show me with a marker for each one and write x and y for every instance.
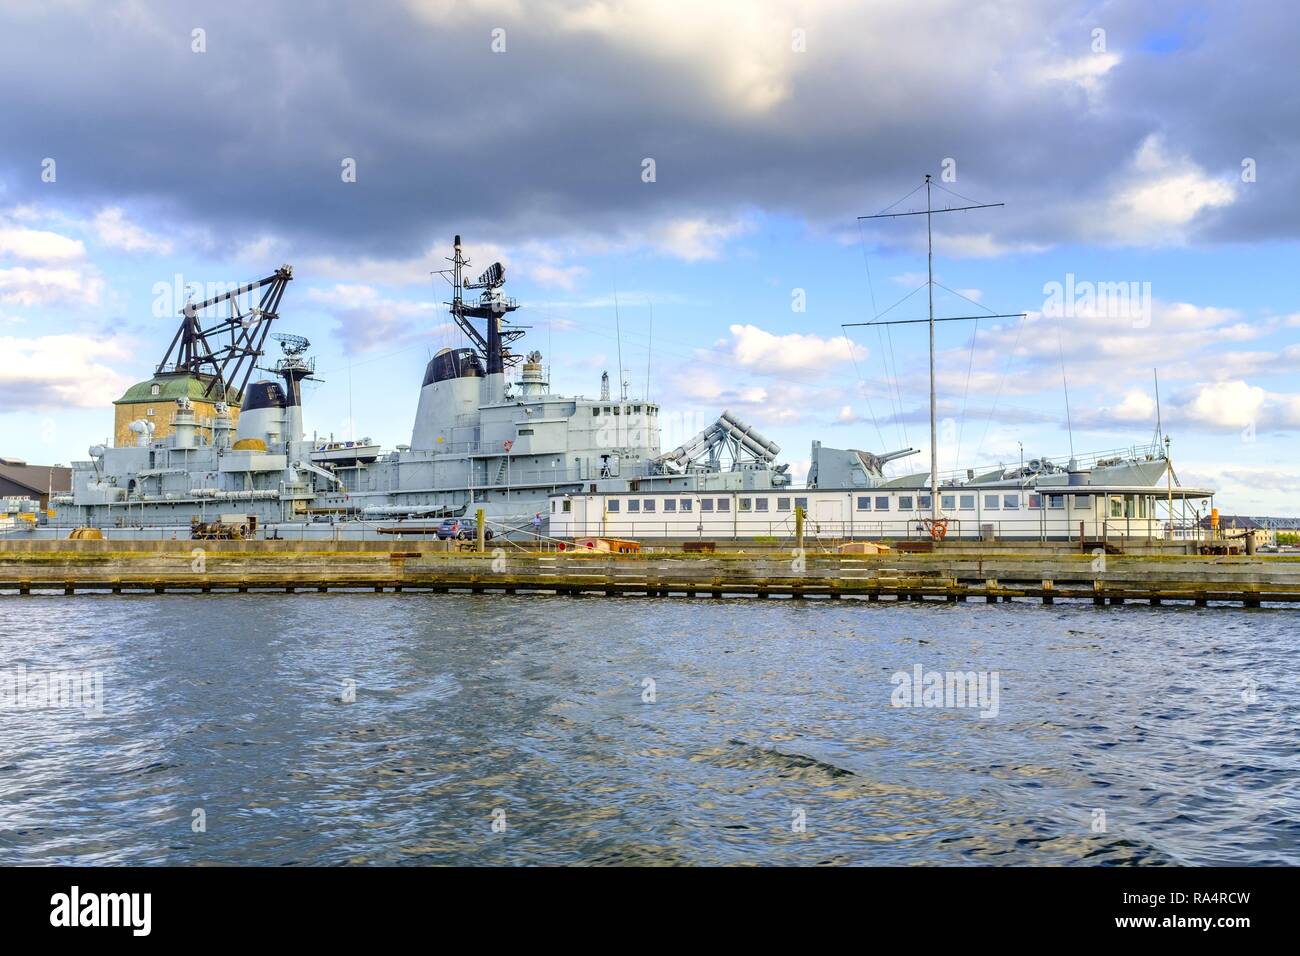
(1147, 451)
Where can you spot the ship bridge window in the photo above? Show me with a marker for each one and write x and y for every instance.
(882, 502)
(618, 409)
(724, 504)
(967, 502)
(633, 506)
(948, 502)
(1011, 502)
(706, 504)
(864, 503)
(608, 410)
(525, 431)
(595, 411)
(612, 505)
(568, 506)
(904, 502)
(990, 502)
(637, 409)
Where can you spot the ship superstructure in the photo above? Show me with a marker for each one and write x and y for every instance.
(478, 440)
(231, 451)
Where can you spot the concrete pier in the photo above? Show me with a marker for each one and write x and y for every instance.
(80, 567)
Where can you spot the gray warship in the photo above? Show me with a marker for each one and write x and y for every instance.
(479, 441)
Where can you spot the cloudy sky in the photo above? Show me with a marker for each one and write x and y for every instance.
(704, 165)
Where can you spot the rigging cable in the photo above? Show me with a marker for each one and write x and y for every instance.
(871, 288)
(1020, 327)
(970, 365)
(1069, 427)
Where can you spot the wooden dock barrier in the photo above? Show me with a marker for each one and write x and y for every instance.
(163, 567)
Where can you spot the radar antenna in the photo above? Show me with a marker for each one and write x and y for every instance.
(491, 306)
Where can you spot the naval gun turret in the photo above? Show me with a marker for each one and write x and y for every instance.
(849, 467)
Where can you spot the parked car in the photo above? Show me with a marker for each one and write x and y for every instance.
(462, 529)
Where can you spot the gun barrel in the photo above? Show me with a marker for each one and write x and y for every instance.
(901, 453)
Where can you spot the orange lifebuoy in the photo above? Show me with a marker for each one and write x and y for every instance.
(939, 529)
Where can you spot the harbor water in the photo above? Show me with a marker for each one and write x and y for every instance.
(412, 729)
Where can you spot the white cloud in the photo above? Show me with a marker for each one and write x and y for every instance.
(1226, 404)
(38, 245)
(41, 286)
(696, 239)
(365, 318)
(1085, 71)
(59, 371)
(565, 277)
(1154, 201)
(114, 230)
(980, 245)
(760, 350)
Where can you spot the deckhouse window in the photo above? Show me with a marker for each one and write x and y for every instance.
(670, 505)
(633, 506)
(990, 502)
(864, 503)
(782, 504)
(760, 504)
(745, 504)
(904, 502)
(882, 502)
(1056, 501)
(686, 504)
(948, 502)
(724, 504)
(926, 501)
(706, 504)
(1011, 502)
(648, 504)
(967, 502)
(614, 504)
(801, 503)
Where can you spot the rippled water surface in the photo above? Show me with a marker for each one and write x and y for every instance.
(770, 738)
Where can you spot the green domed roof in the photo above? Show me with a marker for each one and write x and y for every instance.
(172, 387)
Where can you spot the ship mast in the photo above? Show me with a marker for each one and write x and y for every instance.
(929, 212)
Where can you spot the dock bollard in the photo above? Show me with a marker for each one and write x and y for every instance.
(482, 530)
